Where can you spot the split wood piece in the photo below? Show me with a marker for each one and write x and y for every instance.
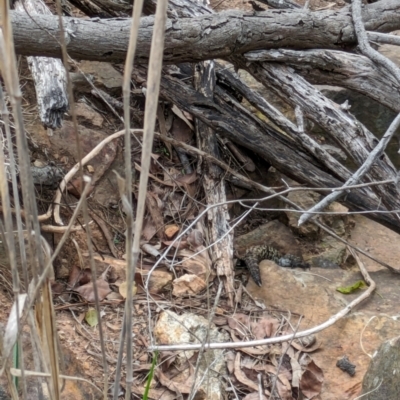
(337, 68)
(48, 74)
(245, 161)
(220, 234)
(257, 101)
(228, 33)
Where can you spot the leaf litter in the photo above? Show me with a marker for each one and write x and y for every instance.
(182, 282)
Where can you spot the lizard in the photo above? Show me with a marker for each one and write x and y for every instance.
(255, 254)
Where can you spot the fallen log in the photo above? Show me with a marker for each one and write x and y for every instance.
(202, 37)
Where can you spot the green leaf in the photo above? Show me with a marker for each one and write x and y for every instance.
(91, 317)
(150, 376)
(352, 288)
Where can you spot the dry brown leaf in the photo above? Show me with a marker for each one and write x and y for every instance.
(220, 320)
(230, 361)
(159, 279)
(169, 176)
(154, 205)
(171, 230)
(240, 323)
(155, 394)
(123, 289)
(149, 229)
(87, 291)
(264, 327)
(77, 276)
(187, 179)
(312, 379)
(163, 128)
(115, 328)
(177, 244)
(242, 378)
(199, 264)
(57, 287)
(177, 387)
(181, 131)
(173, 204)
(167, 358)
(284, 388)
(188, 284)
(114, 296)
(181, 116)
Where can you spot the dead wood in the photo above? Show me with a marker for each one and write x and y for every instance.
(250, 133)
(353, 137)
(202, 37)
(218, 225)
(338, 68)
(48, 74)
(103, 8)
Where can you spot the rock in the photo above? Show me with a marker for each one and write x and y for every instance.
(382, 379)
(305, 200)
(172, 328)
(313, 294)
(63, 143)
(87, 113)
(188, 284)
(105, 75)
(332, 253)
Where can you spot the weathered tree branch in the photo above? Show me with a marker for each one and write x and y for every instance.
(338, 68)
(203, 37)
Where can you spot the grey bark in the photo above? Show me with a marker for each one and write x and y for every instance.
(203, 37)
(337, 68)
(48, 74)
(214, 187)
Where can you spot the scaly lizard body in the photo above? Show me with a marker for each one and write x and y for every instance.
(255, 254)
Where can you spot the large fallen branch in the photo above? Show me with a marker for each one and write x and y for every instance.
(338, 68)
(203, 37)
